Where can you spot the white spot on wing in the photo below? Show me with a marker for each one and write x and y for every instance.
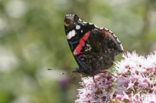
(95, 26)
(114, 35)
(85, 22)
(91, 24)
(118, 41)
(88, 47)
(110, 31)
(81, 31)
(80, 20)
(71, 34)
(78, 27)
(121, 47)
(74, 52)
(106, 29)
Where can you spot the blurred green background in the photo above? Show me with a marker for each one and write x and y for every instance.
(32, 41)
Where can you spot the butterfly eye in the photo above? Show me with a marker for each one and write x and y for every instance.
(67, 22)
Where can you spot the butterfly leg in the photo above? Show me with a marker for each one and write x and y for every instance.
(98, 89)
(94, 79)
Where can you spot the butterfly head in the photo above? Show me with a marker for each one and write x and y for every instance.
(73, 23)
(70, 21)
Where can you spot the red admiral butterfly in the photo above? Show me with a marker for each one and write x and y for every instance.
(94, 48)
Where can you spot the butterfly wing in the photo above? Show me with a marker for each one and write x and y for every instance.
(99, 51)
(94, 49)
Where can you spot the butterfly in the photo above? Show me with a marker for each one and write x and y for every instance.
(93, 48)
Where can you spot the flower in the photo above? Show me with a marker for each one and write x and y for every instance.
(132, 81)
(99, 91)
(135, 74)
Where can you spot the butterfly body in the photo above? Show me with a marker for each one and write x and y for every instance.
(94, 49)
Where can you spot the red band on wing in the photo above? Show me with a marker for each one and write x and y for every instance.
(81, 43)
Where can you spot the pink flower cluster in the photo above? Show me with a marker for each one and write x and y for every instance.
(132, 81)
(96, 92)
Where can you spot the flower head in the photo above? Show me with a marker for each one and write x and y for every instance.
(132, 81)
(96, 92)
